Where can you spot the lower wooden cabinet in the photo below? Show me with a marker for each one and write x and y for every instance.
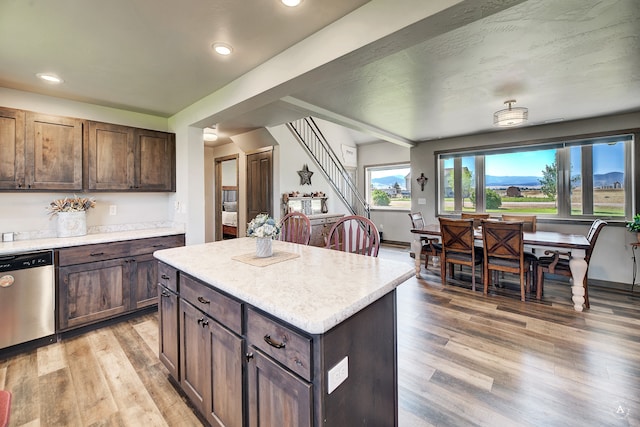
(211, 367)
(320, 227)
(276, 396)
(168, 315)
(102, 281)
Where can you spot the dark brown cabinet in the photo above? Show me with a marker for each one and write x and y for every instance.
(101, 281)
(40, 152)
(126, 158)
(168, 314)
(211, 355)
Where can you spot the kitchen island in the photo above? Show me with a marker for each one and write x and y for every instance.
(309, 339)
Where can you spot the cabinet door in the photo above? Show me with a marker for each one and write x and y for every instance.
(276, 396)
(154, 161)
(110, 154)
(12, 149)
(93, 291)
(194, 369)
(168, 321)
(224, 405)
(53, 152)
(144, 281)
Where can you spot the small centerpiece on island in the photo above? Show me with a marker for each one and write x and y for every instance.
(264, 229)
(71, 213)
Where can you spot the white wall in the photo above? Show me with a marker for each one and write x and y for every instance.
(25, 212)
(395, 225)
(612, 257)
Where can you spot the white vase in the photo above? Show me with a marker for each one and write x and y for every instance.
(264, 247)
(72, 224)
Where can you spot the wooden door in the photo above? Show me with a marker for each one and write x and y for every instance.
(93, 291)
(143, 281)
(154, 161)
(259, 183)
(12, 149)
(276, 396)
(168, 318)
(110, 154)
(53, 152)
(224, 405)
(194, 369)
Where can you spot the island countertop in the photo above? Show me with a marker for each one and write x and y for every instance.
(314, 291)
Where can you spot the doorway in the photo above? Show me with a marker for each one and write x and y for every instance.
(259, 183)
(227, 197)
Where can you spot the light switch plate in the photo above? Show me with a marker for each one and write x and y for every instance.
(337, 374)
(422, 201)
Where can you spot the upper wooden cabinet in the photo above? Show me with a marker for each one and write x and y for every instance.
(125, 158)
(40, 152)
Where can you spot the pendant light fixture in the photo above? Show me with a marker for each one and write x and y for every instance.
(510, 116)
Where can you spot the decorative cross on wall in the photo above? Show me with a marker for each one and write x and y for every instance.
(422, 180)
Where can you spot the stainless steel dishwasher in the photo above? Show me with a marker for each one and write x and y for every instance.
(27, 297)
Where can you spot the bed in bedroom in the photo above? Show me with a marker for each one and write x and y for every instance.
(229, 212)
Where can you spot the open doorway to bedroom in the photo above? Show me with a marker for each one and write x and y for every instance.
(226, 204)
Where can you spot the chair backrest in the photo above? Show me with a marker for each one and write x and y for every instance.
(528, 220)
(592, 236)
(296, 228)
(355, 234)
(417, 221)
(457, 235)
(477, 217)
(503, 239)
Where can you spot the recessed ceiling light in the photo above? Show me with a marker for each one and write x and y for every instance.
(291, 3)
(222, 49)
(49, 78)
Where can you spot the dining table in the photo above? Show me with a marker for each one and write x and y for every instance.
(575, 245)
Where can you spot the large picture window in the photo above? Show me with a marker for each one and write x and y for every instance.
(585, 178)
(389, 186)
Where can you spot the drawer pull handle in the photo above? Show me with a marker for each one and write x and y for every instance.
(165, 294)
(165, 277)
(203, 300)
(96, 253)
(248, 356)
(203, 321)
(268, 340)
(160, 245)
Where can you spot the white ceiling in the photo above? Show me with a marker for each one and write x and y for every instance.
(442, 76)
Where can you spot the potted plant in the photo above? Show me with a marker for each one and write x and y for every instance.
(634, 226)
(71, 213)
(264, 229)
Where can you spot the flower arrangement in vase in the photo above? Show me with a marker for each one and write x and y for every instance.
(71, 213)
(264, 229)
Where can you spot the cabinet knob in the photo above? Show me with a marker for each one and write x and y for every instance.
(165, 294)
(248, 356)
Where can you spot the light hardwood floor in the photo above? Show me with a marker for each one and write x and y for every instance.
(464, 359)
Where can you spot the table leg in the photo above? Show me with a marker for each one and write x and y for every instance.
(578, 267)
(416, 248)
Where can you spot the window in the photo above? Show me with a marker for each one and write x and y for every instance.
(389, 186)
(585, 178)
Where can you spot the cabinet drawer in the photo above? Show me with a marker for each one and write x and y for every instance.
(152, 244)
(280, 342)
(220, 307)
(91, 253)
(168, 276)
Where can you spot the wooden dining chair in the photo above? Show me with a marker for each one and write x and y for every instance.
(458, 247)
(557, 265)
(355, 234)
(296, 228)
(528, 220)
(503, 243)
(431, 246)
(477, 217)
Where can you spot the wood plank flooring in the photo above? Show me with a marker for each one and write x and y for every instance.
(464, 360)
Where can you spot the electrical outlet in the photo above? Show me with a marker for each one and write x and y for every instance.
(337, 374)
(113, 210)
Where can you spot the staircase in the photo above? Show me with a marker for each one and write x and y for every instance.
(310, 137)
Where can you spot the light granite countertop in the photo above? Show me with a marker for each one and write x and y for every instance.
(20, 246)
(314, 291)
